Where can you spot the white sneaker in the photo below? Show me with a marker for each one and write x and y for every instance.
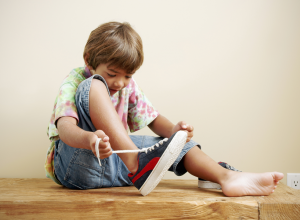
(205, 184)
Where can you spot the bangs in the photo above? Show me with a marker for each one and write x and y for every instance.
(125, 58)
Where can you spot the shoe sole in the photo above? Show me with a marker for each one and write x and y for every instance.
(208, 185)
(167, 159)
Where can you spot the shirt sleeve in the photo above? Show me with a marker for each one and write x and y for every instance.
(141, 112)
(65, 105)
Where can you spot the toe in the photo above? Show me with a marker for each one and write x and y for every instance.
(277, 176)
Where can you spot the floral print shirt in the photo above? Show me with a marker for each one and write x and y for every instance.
(131, 104)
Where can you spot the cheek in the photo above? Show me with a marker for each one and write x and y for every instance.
(126, 83)
(108, 81)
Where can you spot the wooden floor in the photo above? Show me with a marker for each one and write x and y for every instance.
(171, 199)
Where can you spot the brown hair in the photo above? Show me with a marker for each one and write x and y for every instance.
(116, 44)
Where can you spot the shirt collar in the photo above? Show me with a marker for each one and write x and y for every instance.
(86, 73)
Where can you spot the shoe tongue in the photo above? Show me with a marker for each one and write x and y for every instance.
(138, 156)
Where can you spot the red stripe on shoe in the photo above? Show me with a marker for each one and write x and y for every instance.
(149, 166)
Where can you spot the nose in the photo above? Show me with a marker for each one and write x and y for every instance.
(119, 84)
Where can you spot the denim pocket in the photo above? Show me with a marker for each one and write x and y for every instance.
(58, 146)
(84, 171)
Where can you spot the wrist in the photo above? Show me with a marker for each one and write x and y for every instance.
(87, 138)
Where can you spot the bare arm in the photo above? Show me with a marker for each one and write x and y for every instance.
(162, 126)
(76, 137)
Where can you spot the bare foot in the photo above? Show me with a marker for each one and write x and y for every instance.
(250, 184)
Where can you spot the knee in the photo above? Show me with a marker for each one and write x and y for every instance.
(98, 86)
(98, 89)
(90, 86)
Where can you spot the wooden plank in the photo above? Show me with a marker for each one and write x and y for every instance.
(283, 204)
(176, 199)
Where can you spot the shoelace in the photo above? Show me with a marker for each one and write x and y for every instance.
(127, 151)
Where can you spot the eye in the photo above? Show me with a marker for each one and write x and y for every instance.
(128, 77)
(111, 75)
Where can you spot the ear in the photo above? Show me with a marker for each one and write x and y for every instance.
(86, 57)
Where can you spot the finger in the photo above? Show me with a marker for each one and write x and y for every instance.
(190, 136)
(190, 128)
(105, 139)
(101, 135)
(190, 132)
(103, 156)
(105, 150)
(104, 145)
(183, 125)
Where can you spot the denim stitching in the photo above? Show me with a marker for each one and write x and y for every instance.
(56, 165)
(83, 164)
(87, 92)
(119, 168)
(143, 141)
(72, 161)
(86, 95)
(103, 161)
(71, 182)
(59, 148)
(69, 166)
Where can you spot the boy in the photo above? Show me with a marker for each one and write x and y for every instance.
(102, 100)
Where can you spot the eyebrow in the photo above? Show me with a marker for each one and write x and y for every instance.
(118, 72)
(113, 70)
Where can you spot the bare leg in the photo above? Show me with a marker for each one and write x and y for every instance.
(105, 117)
(233, 183)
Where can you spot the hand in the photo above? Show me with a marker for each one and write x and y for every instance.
(104, 145)
(185, 127)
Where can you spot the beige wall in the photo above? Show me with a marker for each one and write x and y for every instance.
(229, 68)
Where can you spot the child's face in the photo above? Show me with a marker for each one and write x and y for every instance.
(116, 79)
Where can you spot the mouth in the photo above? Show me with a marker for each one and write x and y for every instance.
(113, 91)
